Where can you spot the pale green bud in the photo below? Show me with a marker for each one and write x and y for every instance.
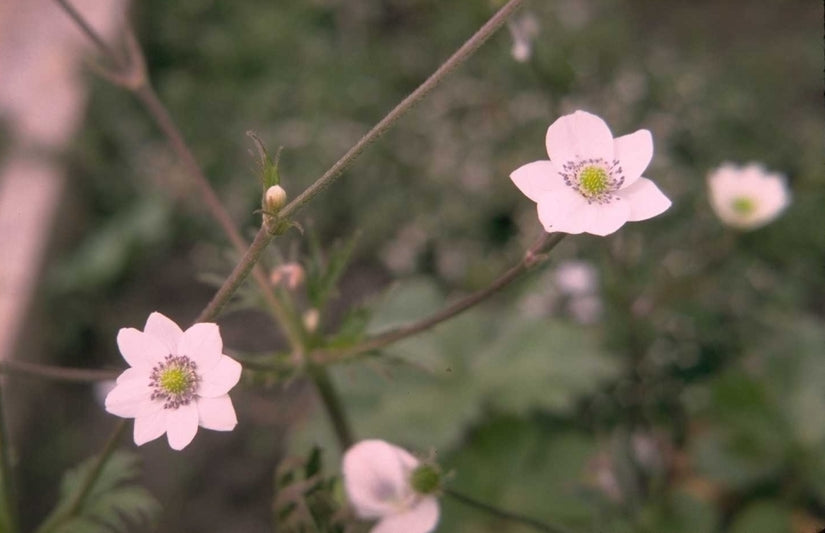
(426, 479)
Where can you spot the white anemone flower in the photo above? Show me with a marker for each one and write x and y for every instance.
(747, 197)
(178, 380)
(384, 482)
(592, 183)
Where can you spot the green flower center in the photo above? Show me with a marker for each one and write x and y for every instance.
(426, 479)
(594, 180)
(743, 205)
(174, 381)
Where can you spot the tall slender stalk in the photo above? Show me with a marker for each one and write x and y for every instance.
(8, 505)
(331, 401)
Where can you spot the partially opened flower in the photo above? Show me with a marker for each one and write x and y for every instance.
(178, 381)
(387, 483)
(592, 183)
(747, 197)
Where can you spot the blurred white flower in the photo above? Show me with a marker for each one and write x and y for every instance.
(747, 197)
(592, 183)
(178, 380)
(576, 278)
(523, 30)
(380, 484)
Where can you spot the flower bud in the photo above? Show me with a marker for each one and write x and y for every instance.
(274, 199)
(311, 319)
(290, 275)
(426, 479)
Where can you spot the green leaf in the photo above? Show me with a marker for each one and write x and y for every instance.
(524, 467)
(114, 502)
(762, 517)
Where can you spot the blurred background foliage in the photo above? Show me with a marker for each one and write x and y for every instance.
(686, 395)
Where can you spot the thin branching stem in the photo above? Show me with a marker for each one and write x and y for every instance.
(461, 55)
(55, 373)
(506, 515)
(265, 234)
(534, 255)
(133, 70)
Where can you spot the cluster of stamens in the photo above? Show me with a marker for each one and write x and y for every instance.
(174, 381)
(595, 179)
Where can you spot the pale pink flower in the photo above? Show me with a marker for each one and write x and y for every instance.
(178, 380)
(378, 480)
(747, 197)
(592, 183)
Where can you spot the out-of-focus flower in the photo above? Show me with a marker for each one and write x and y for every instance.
(747, 197)
(592, 183)
(523, 30)
(291, 275)
(178, 380)
(576, 278)
(387, 483)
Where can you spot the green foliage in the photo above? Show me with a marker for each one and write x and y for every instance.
(306, 501)
(426, 390)
(115, 503)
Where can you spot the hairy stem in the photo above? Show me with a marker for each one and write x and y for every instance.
(56, 373)
(265, 234)
(506, 515)
(532, 257)
(461, 55)
(8, 505)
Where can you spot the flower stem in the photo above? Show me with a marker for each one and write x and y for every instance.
(533, 256)
(466, 50)
(8, 514)
(506, 515)
(85, 489)
(333, 406)
(265, 234)
(56, 373)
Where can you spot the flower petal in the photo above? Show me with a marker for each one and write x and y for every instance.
(634, 152)
(127, 397)
(536, 178)
(181, 425)
(556, 210)
(645, 200)
(422, 518)
(202, 343)
(220, 378)
(139, 349)
(604, 219)
(131, 374)
(164, 329)
(149, 426)
(217, 413)
(376, 477)
(578, 136)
